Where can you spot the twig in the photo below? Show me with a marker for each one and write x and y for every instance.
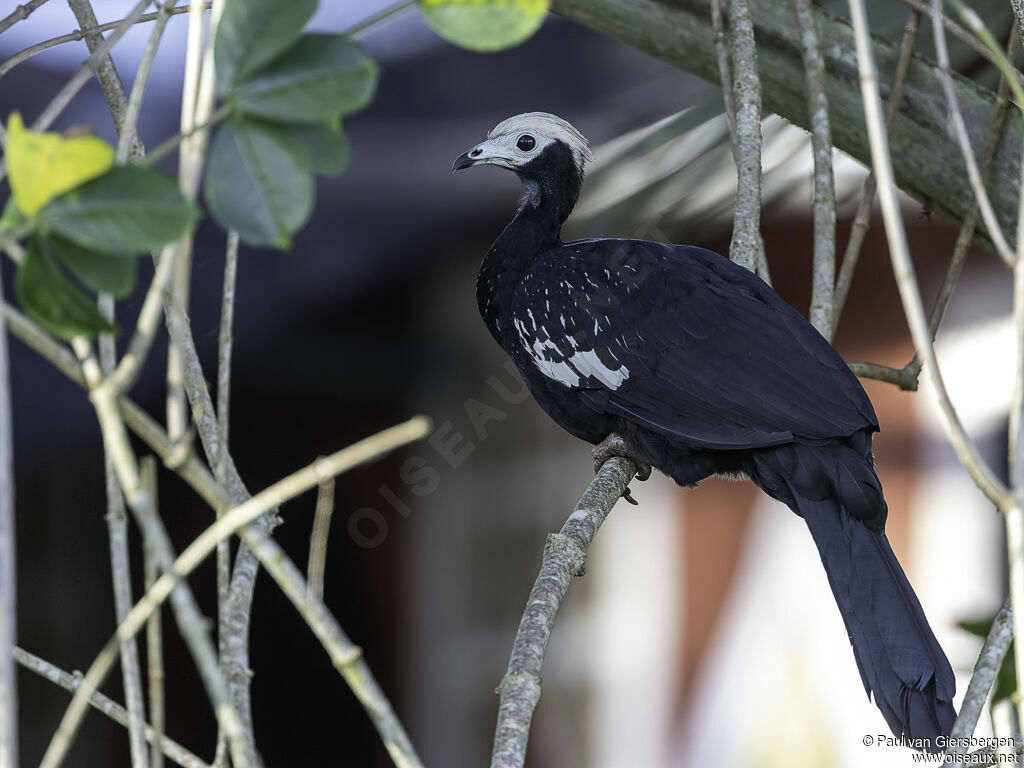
(154, 628)
(75, 36)
(120, 571)
(108, 707)
(147, 323)
(131, 112)
(990, 661)
(167, 585)
(20, 13)
(188, 466)
(898, 376)
(565, 554)
(8, 574)
(377, 18)
(1018, 12)
(318, 539)
(106, 73)
(724, 72)
(903, 268)
(224, 345)
(746, 236)
(190, 621)
(961, 34)
(81, 77)
(824, 272)
(988, 214)
(347, 657)
(967, 229)
(862, 219)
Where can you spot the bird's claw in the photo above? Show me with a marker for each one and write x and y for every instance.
(629, 497)
(614, 445)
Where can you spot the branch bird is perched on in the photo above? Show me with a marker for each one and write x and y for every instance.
(677, 358)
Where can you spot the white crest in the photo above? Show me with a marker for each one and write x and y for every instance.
(546, 125)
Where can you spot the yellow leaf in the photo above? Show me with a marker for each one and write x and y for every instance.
(42, 166)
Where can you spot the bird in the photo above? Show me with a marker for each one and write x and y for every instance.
(677, 358)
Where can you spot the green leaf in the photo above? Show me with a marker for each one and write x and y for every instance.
(52, 301)
(127, 210)
(320, 78)
(44, 165)
(485, 25)
(258, 182)
(102, 272)
(252, 33)
(326, 145)
(12, 217)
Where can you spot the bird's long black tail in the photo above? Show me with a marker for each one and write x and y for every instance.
(834, 488)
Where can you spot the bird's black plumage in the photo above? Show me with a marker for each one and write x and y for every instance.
(703, 369)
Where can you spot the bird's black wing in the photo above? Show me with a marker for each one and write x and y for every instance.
(684, 342)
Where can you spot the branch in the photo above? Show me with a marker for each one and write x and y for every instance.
(988, 215)
(565, 554)
(121, 573)
(224, 345)
(154, 629)
(361, 452)
(862, 219)
(106, 73)
(746, 245)
(824, 272)
(129, 145)
(108, 707)
(75, 36)
(680, 32)
(990, 661)
(724, 72)
(903, 268)
(8, 574)
(347, 657)
(20, 13)
(81, 77)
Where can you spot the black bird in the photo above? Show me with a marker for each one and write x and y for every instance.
(677, 358)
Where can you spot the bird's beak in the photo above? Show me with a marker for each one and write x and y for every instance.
(486, 153)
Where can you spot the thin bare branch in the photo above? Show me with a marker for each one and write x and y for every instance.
(73, 37)
(125, 146)
(862, 219)
(20, 13)
(173, 577)
(8, 574)
(824, 271)
(81, 77)
(903, 268)
(318, 539)
(154, 628)
(724, 72)
(347, 657)
(988, 214)
(565, 554)
(746, 245)
(224, 345)
(188, 466)
(120, 571)
(71, 683)
(990, 661)
(106, 73)
(190, 621)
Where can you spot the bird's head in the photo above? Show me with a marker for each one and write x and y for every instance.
(536, 145)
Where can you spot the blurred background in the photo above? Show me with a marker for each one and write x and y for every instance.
(704, 629)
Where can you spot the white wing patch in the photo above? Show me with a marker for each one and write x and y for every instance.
(568, 369)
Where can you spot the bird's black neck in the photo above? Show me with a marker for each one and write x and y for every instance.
(552, 185)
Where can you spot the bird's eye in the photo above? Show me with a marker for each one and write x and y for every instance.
(526, 142)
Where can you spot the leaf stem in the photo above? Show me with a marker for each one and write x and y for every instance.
(378, 18)
(169, 146)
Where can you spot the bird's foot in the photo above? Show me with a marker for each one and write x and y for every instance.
(615, 445)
